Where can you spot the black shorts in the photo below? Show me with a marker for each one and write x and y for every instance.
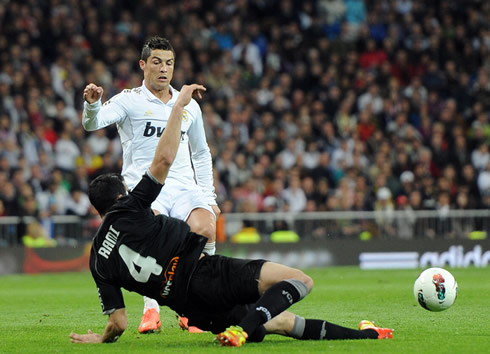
(220, 290)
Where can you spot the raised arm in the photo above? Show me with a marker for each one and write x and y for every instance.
(169, 141)
(92, 93)
(95, 115)
(201, 158)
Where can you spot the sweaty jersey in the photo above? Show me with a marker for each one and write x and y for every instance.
(141, 118)
(153, 255)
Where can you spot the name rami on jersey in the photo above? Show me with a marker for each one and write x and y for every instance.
(109, 242)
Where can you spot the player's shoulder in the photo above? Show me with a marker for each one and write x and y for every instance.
(194, 105)
(135, 91)
(126, 95)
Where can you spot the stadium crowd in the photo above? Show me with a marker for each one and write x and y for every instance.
(311, 105)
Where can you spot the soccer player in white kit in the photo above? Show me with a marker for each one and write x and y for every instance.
(141, 115)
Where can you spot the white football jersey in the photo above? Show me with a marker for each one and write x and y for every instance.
(141, 118)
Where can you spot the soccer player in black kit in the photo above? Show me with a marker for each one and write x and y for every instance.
(159, 257)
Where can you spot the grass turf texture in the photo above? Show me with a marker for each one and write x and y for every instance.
(37, 312)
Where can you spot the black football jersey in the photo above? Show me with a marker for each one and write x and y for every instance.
(153, 255)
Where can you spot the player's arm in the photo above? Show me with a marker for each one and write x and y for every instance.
(202, 161)
(169, 141)
(112, 302)
(95, 115)
(116, 324)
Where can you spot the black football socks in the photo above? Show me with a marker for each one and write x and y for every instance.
(275, 300)
(318, 329)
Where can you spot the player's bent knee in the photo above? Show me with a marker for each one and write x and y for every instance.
(307, 280)
(208, 230)
(203, 223)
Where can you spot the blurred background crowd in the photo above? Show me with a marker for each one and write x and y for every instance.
(314, 105)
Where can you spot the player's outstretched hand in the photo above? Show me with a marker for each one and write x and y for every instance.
(187, 91)
(92, 93)
(91, 337)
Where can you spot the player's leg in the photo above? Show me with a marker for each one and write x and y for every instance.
(273, 273)
(203, 222)
(279, 287)
(190, 204)
(291, 325)
(150, 322)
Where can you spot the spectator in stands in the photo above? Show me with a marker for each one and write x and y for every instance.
(32, 230)
(311, 157)
(77, 203)
(480, 157)
(247, 53)
(98, 142)
(52, 200)
(288, 156)
(407, 179)
(242, 173)
(444, 224)
(484, 180)
(384, 209)
(248, 197)
(66, 152)
(405, 219)
(371, 99)
(314, 73)
(294, 195)
(9, 196)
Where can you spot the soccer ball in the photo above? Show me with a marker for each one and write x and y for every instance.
(435, 289)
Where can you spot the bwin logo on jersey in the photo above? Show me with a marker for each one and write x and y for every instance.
(150, 130)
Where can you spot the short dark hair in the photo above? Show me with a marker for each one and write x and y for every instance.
(155, 42)
(104, 191)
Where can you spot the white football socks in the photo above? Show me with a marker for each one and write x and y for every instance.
(210, 248)
(150, 304)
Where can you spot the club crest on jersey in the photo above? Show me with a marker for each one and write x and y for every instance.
(185, 116)
(148, 113)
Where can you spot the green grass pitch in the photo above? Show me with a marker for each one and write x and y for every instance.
(37, 312)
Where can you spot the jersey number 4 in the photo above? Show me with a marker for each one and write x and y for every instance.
(146, 265)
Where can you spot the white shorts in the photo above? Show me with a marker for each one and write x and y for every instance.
(179, 200)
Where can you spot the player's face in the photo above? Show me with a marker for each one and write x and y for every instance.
(158, 69)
